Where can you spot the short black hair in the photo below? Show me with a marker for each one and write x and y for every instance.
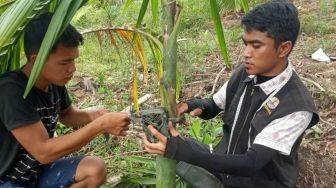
(277, 18)
(36, 30)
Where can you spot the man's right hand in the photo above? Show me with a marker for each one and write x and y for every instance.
(182, 108)
(115, 123)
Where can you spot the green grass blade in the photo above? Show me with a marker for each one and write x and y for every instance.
(155, 11)
(127, 4)
(245, 5)
(142, 12)
(219, 31)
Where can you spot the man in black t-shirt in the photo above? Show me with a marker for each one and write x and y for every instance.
(266, 111)
(30, 156)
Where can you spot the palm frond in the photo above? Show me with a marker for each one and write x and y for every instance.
(12, 23)
(5, 5)
(135, 39)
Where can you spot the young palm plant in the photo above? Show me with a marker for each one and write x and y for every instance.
(167, 74)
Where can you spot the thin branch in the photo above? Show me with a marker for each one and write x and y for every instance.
(216, 80)
(141, 100)
(326, 122)
(314, 83)
(223, 69)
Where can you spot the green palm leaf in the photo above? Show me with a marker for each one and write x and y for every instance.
(12, 22)
(5, 5)
(219, 31)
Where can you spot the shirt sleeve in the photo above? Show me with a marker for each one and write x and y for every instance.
(282, 133)
(15, 110)
(220, 96)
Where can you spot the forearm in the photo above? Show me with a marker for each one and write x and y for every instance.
(55, 148)
(241, 165)
(77, 119)
(46, 149)
(74, 117)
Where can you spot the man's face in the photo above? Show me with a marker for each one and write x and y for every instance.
(60, 65)
(261, 56)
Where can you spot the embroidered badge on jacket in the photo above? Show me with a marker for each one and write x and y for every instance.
(271, 105)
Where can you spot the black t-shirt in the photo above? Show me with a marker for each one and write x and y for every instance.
(16, 164)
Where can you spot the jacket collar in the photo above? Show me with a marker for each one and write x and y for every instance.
(274, 83)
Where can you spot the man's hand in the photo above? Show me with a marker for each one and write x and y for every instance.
(115, 123)
(182, 108)
(160, 146)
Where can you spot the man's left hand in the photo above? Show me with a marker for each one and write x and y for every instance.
(160, 146)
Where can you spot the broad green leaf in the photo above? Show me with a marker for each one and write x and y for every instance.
(195, 129)
(207, 139)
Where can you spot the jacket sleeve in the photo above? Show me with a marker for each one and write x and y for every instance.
(241, 165)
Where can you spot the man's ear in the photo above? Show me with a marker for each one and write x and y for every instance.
(285, 48)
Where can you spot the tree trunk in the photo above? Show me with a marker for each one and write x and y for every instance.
(165, 168)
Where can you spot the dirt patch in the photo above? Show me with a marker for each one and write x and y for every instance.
(316, 170)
